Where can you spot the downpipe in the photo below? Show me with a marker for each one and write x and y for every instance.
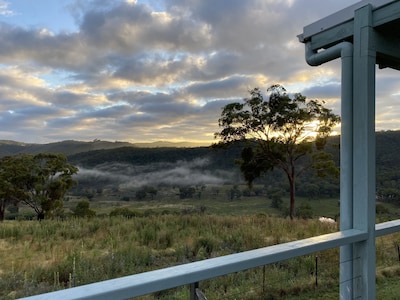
(344, 50)
(315, 58)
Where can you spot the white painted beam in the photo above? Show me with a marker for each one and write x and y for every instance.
(340, 17)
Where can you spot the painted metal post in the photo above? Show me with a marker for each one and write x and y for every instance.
(346, 172)
(313, 58)
(364, 153)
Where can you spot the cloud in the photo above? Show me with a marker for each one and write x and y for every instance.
(5, 9)
(146, 71)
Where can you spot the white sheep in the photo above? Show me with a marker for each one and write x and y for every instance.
(327, 220)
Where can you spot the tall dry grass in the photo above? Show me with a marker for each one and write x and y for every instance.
(37, 257)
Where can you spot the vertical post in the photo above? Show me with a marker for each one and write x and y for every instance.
(398, 251)
(193, 287)
(346, 173)
(263, 281)
(316, 271)
(364, 153)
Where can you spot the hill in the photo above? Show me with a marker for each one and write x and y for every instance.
(98, 152)
(199, 165)
(71, 147)
(126, 164)
(65, 147)
(388, 149)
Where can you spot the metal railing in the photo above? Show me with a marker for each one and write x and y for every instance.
(192, 273)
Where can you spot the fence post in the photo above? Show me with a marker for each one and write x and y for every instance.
(263, 282)
(193, 287)
(316, 271)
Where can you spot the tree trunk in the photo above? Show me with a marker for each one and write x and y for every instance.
(292, 192)
(40, 216)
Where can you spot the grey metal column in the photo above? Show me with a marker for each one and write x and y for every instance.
(346, 174)
(314, 58)
(364, 153)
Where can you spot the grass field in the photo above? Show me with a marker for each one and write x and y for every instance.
(37, 257)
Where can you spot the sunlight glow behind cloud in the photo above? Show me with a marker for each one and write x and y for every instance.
(149, 70)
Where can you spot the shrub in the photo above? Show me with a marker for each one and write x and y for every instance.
(304, 211)
(276, 201)
(83, 209)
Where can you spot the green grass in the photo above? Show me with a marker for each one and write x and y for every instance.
(37, 257)
(42, 256)
(245, 206)
(47, 255)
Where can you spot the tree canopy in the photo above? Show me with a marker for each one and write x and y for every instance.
(283, 131)
(14, 178)
(39, 181)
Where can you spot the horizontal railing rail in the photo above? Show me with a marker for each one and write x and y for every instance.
(386, 228)
(163, 279)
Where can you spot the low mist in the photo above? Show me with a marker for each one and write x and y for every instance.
(181, 173)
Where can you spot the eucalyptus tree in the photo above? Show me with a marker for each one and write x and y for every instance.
(14, 178)
(39, 181)
(51, 177)
(283, 131)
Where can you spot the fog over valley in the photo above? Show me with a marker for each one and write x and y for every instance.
(180, 173)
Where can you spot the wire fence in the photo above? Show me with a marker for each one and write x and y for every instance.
(311, 275)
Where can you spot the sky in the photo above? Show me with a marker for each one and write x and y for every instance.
(157, 70)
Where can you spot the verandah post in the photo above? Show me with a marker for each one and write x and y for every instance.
(364, 153)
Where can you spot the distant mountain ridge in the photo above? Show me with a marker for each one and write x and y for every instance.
(67, 147)
(71, 147)
(103, 162)
(387, 148)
